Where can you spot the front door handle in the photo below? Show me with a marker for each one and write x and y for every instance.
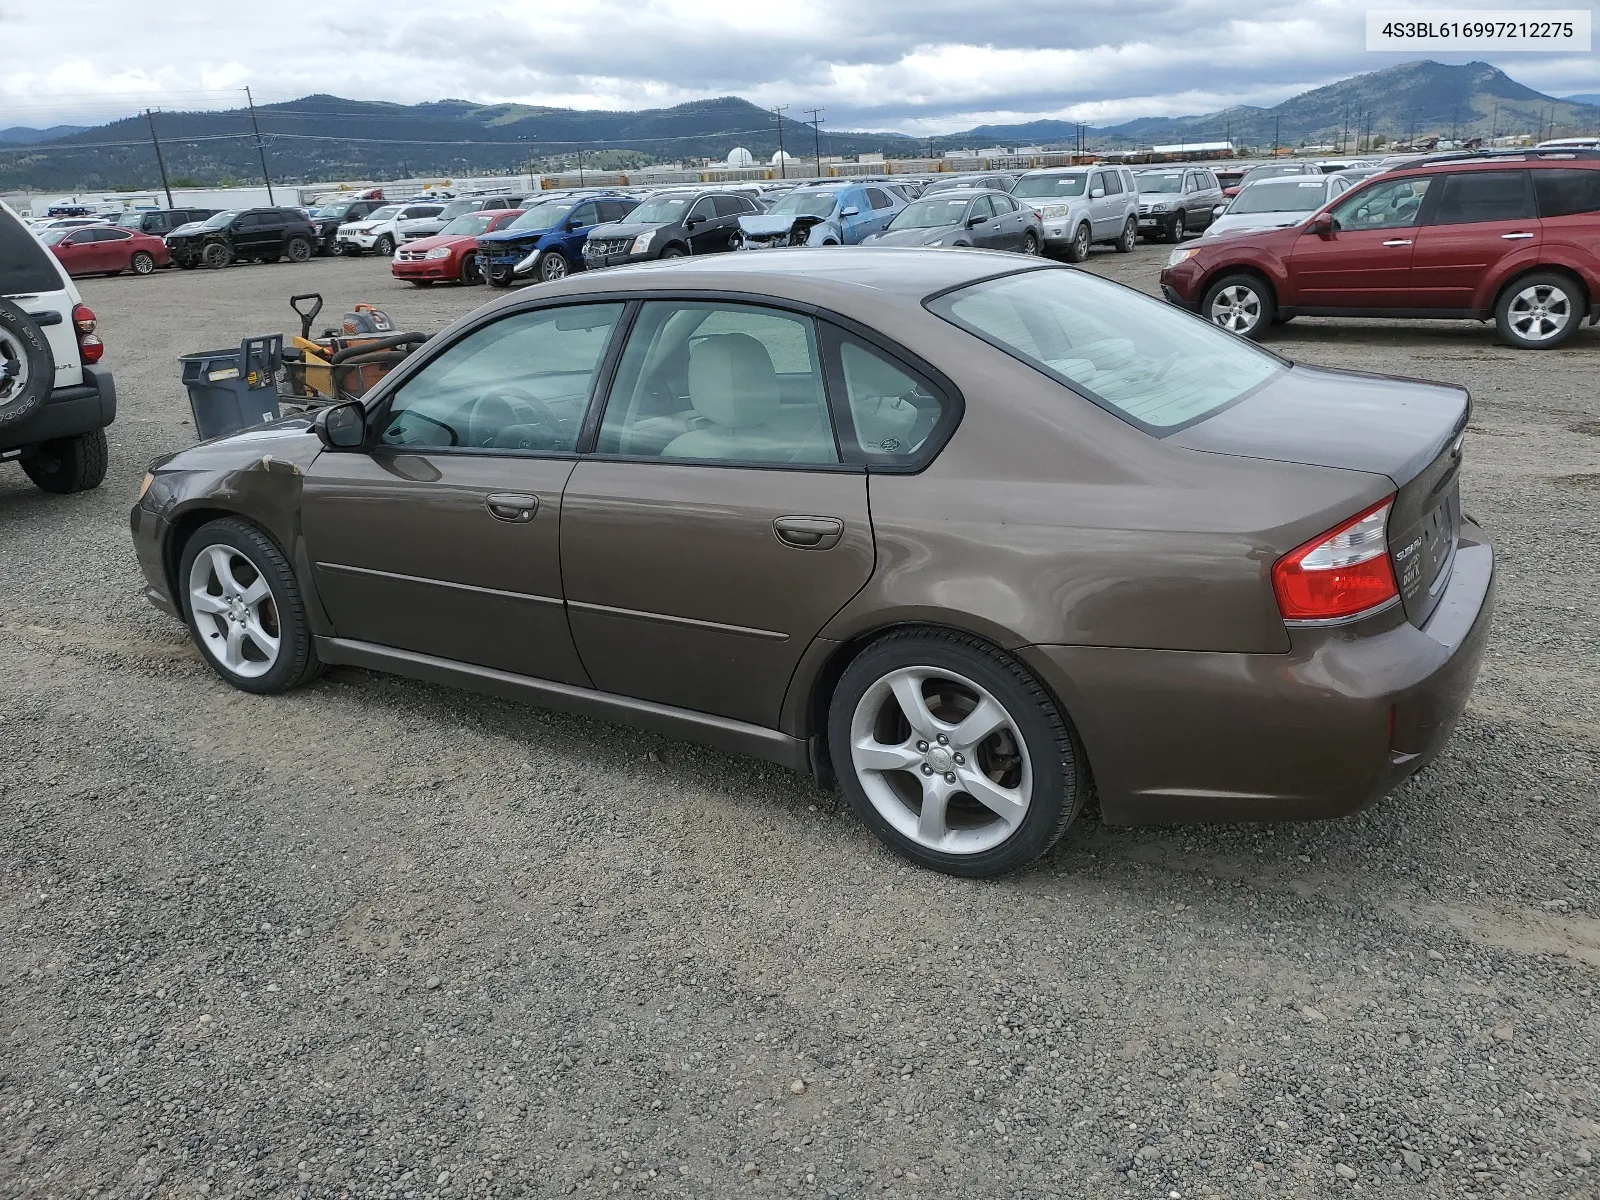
(511, 506)
(1398, 242)
(1514, 237)
(809, 533)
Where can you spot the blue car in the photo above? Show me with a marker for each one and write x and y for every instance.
(822, 214)
(547, 240)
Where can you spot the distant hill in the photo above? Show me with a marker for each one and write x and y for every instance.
(1585, 98)
(21, 135)
(1471, 100)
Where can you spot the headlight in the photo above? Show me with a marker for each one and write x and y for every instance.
(642, 242)
(1160, 205)
(438, 252)
(1178, 256)
(1053, 210)
(145, 486)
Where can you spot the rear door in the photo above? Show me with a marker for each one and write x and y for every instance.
(113, 249)
(883, 210)
(1569, 215)
(1366, 262)
(714, 530)
(1473, 221)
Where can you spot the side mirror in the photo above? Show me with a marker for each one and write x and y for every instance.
(342, 426)
(1323, 225)
(852, 211)
(974, 222)
(1097, 193)
(691, 221)
(1218, 210)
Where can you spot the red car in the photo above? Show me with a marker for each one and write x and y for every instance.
(106, 250)
(1512, 238)
(452, 252)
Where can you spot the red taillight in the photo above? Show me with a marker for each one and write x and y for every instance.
(90, 347)
(1341, 573)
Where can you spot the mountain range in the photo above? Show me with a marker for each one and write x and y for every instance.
(324, 137)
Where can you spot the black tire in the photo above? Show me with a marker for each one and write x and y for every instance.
(1258, 310)
(551, 266)
(1078, 247)
(1031, 243)
(142, 262)
(500, 277)
(27, 366)
(184, 264)
(67, 465)
(347, 250)
(297, 661)
(1129, 238)
(384, 246)
(1060, 780)
(672, 252)
(469, 270)
(1176, 228)
(216, 255)
(299, 250)
(1517, 311)
(421, 283)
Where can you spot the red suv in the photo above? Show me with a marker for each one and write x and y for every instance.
(1512, 238)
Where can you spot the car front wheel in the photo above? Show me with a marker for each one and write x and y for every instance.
(551, 266)
(952, 754)
(384, 246)
(1078, 248)
(1240, 304)
(1539, 311)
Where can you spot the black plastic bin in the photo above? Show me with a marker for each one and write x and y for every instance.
(230, 390)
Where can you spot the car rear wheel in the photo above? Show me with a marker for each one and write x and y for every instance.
(1078, 248)
(142, 262)
(1240, 304)
(384, 246)
(67, 465)
(952, 754)
(244, 608)
(551, 266)
(1030, 242)
(1129, 238)
(216, 256)
(299, 250)
(1177, 229)
(1539, 311)
(27, 366)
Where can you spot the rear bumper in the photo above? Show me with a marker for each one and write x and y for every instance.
(69, 411)
(1322, 731)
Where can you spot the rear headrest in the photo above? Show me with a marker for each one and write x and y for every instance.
(731, 381)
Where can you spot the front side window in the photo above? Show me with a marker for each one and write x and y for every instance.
(982, 209)
(703, 209)
(521, 383)
(721, 383)
(1391, 205)
(1564, 193)
(1139, 359)
(1470, 197)
(893, 411)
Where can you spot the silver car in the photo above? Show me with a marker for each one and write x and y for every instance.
(1177, 200)
(1275, 204)
(1082, 205)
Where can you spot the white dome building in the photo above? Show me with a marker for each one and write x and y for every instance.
(781, 156)
(740, 157)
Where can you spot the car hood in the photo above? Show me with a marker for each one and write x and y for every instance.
(452, 241)
(512, 235)
(185, 230)
(766, 224)
(1330, 418)
(288, 440)
(914, 237)
(626, 229)
(1236, 223)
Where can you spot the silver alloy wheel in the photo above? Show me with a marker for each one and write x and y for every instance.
(142, 262)
(237, 617)
(554, 266)
(941, 760)
(1540, 312)
(1030, 243)
(13, 367)
(1081, 243)
(1236, 308)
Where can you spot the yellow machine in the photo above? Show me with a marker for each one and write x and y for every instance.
(343, 363)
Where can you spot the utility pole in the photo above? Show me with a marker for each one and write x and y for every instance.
(260, 145)
(1494, 127)
(160, 162)
(1275, 121)
(816, 135)
(783, 162)
(580, 166)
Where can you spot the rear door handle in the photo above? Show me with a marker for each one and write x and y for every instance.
(809, 533)
(1514, 237)
(511, 506)
(1398, 242)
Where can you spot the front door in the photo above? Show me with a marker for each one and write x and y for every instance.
(1365, 262)
(714, 531)
(1476, 219)
(443, 537)
(706, 236)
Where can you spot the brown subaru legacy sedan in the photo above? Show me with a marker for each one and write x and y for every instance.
(967, 534)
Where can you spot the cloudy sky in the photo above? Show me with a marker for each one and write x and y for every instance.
(919, 66)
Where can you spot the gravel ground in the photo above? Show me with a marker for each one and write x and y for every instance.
(379, 938)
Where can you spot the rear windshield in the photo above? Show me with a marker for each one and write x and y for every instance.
(1303, 196)
(1147, 362)
(25, 266)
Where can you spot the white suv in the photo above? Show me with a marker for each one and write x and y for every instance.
(1079, 206)
(55, 403)
(390, 225)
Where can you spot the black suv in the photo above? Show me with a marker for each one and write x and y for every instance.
(329, 217)
(161, 221)
(259, 234)
(670, 224)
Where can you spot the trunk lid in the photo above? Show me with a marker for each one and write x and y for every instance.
(1406, 429)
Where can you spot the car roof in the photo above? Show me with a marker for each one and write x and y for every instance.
(1063, 170)
(1289, 180)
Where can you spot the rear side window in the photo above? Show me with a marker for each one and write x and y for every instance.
(893, 412)
(728, 206)
(1469, 197)
(1139, 359)
(25, 265)
(1566, 193)
(878, 199)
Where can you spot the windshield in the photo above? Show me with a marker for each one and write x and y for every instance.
(219, 220)
(456, 207)
(1167, 181)
(804, 204)
(333, 210)
(1272, 172)
(1144, 361)
(1036, 187)
(663, 210)
(931, 214)
(1280, 197)
(384, 213)
(51, 236)
(130, 220)
(543, 216)
(960, 181)
(469, 224)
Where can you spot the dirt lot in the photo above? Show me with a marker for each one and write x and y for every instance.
(378, 938)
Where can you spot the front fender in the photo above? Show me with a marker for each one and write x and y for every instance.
(1266, 263)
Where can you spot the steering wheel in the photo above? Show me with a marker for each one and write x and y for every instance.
(496, 413)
